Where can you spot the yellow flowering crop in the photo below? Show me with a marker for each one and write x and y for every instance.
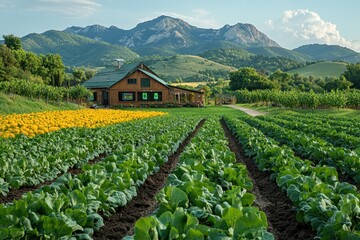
(32, 124)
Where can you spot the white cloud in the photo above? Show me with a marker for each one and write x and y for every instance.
(70, 8)
(304, 27)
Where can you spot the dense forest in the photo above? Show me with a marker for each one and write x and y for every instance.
(39, 76)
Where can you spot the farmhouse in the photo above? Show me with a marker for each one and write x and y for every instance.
(137, 85)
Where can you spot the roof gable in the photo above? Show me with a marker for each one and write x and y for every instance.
(155, 77)
(109, 77)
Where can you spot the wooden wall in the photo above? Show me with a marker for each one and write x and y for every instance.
(123, 86)
(171, 94)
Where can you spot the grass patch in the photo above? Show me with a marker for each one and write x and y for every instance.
(322, 69)
(17, 104)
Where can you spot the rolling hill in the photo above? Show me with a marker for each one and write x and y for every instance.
(322, 69)
(188, 68)
(324, 52)
(74, 49)
(243, 58)
(280, 52)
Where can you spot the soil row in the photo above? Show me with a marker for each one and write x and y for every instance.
(270, 199)
(121, 223)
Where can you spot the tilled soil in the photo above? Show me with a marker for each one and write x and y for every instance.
(270, 199)
(122, 223)
(15, 194)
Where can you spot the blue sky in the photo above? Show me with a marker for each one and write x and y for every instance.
(291, 23)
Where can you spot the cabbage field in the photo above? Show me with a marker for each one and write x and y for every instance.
(188, 174)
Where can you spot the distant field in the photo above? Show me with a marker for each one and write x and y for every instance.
(195, 84)
(322, 69)
(185, 66)
(190, 84)
(350, 113)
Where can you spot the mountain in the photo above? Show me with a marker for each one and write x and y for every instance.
(166, 36)
(74, 49)
(324, 52)
(98, 32)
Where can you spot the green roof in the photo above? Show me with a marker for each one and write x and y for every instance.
(109, 77)
(154, 77)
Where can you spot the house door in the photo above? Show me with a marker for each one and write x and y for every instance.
(105, 97)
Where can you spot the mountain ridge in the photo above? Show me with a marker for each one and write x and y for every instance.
(74, 49)
(168, 36)
(177, 36)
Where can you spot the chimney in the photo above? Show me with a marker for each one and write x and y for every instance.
(118, 63)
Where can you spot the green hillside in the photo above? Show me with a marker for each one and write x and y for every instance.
(280, 52)
(322, 69)
(17, 104)
(74, 49)
(320, 52)
(189, 68)
(242, 58)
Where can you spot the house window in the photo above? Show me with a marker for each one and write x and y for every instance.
(126, 96)
(150, 96)
(144, 96)
(132, 81)
(93, 98)
(145, 82)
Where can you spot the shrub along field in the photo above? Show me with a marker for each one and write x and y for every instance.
(228, 176)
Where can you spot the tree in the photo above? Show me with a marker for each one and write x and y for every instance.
(337, 83)
(249, 78)
(8, 63)
(89, 73)
(53, 69)
(352, 74)
(28, 61)
(12, 42)
(79, 75)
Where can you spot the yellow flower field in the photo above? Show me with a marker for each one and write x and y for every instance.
(32, 124)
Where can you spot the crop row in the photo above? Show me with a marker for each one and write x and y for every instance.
(313, 148)
(331, 207)
(350, 127)
(30, 161)
(337, 138)
(207, 195)
(298, 99)
(69, 208)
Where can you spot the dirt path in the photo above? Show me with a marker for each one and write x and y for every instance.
(270, 199)
(122, 223)
(251, 112)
